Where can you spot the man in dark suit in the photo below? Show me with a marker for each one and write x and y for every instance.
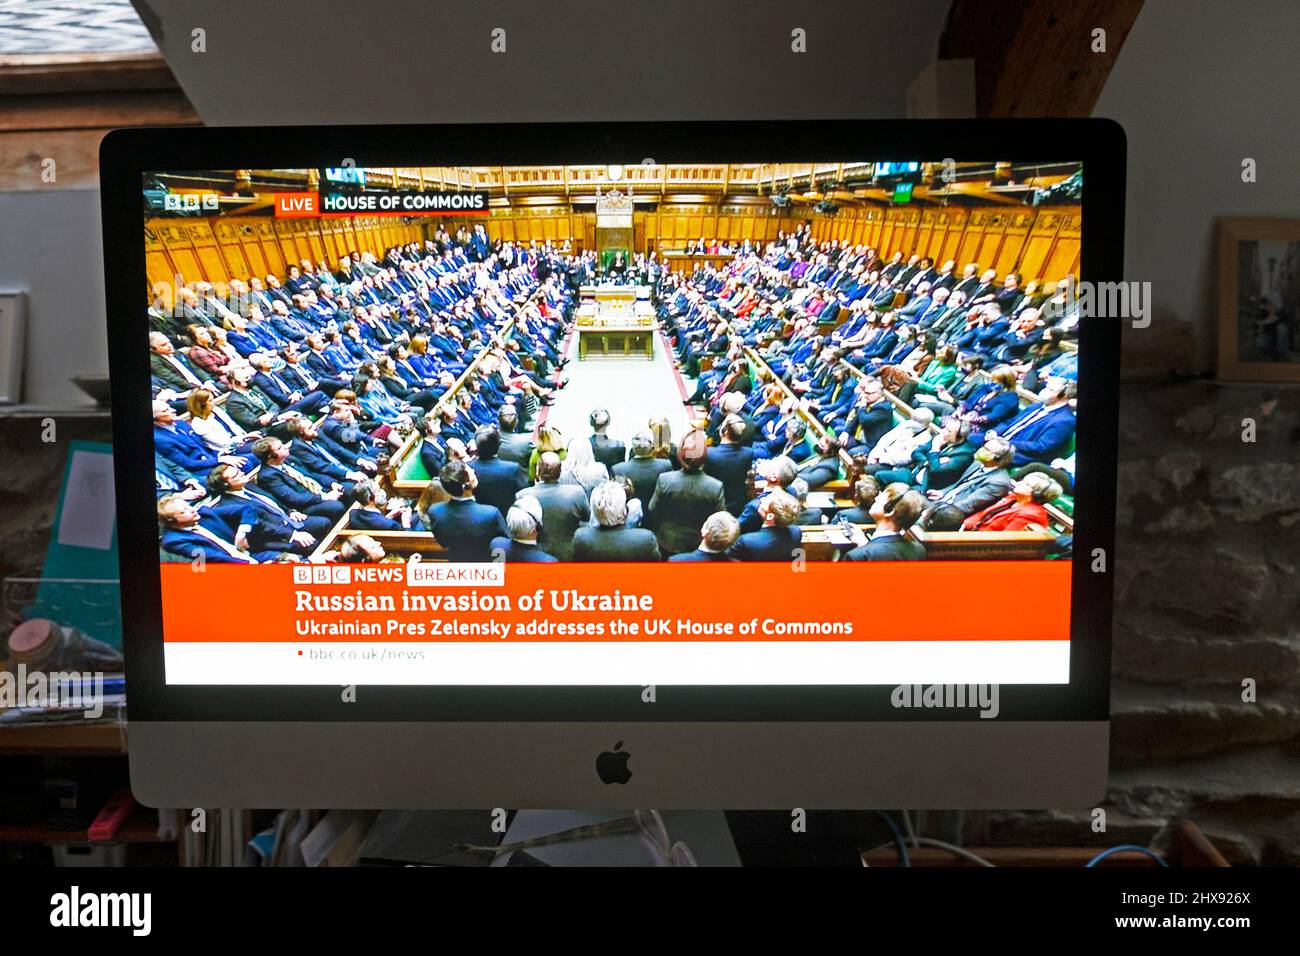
(564, 507)
(718, 533)
(498, 481)
(895, 510)
(523, 521)
(433, 450)
(187, 532)
(611, 539)
(683, 500)
(609, 451)
(257, 521)
(275, 387)
(871, 416)
(343, 431)
(642, 468)
(777, 474)
(293, 488)
(321, 458)
(730, 463)
(779, 538)
(516, 446)
(825, 467)
(372, 512)
(462, 525)
(986, 480)
(172, 369)
(1042, 431)
(247, 404)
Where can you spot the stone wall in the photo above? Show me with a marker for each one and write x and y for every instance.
(1208, 543)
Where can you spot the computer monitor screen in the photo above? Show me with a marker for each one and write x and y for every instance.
(516, 429)
(536, 425)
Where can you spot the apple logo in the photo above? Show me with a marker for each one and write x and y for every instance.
(611, 765)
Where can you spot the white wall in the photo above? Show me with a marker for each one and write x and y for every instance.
(50, 248)
(1198, 86)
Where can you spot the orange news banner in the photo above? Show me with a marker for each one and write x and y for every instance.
(888, 601)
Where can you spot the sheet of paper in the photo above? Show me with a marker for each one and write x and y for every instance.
(89, 510)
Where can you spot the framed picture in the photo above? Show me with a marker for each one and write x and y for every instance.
(1259, 300)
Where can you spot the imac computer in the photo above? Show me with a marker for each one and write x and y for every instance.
(691, 465)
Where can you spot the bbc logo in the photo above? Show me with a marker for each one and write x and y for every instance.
(189, 202)
(322, 574)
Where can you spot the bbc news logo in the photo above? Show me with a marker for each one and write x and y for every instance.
(322, 574)
(190, 202)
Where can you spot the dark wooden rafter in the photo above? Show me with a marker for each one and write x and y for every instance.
(1035, 57)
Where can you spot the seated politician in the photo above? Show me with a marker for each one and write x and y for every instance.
(257, 521)
(373, 512)
(462, 525)
(564, 507)
(188, 532)
(1042, 431)
(985, 481)
(684, 499)
(176, 441)
(611, 539)
(523, 522)
(895, 510)
(718, 533)
(1022, 509)
(293, 486)
(779, 538)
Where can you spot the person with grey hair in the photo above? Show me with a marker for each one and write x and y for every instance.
(612, 539)
(642, 468)
(777, 473)
(985, 480)
(807, 516)
(581, 468)
(523, 522)
(894, 450)
(718, 533)
(732, 404)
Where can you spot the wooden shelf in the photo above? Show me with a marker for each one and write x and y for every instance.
(82, 738)
(141, 827)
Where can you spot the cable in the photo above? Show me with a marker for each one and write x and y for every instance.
(903, 858)
(955, 850)
(1123, 848)
(941, 845)
(907, 825)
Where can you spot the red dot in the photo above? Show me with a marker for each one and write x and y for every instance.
(300, 653)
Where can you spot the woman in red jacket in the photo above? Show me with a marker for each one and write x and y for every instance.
(1021, 509)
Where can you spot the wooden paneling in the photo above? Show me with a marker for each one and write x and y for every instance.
(238, 248)
(1039, 244)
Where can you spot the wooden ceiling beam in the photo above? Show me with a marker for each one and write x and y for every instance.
(1036, 57)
